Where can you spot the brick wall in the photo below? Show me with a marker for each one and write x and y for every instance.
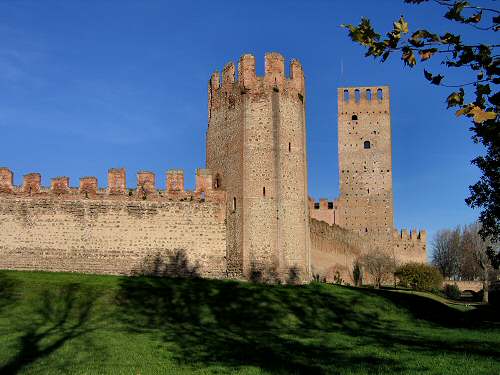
(66, 229)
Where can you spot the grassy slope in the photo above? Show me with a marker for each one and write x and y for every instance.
(68, 323)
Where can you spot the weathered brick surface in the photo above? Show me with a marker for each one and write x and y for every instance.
(109, 236)
(257, 152)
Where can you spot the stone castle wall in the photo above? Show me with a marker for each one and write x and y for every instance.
(113, 230)
(250, 210)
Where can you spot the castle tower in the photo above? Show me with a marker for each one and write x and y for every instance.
(365, 160)
(256, 150)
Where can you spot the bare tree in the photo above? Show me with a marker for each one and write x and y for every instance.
(447, 257)
(379, 265)
(472, 244)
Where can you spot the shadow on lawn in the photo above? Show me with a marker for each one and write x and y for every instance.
(60, 315)
(278, 328)
(285, 329)
(7, 291)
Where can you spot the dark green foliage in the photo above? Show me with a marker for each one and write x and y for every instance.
(419, 276)
(451, 291)
(477, 98)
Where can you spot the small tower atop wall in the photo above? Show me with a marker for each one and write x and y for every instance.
(365, 160)
(256, 150)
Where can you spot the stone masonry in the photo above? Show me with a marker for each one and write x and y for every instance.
(250, 213)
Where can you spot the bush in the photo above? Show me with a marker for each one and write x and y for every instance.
(451, 291)
(419, 276)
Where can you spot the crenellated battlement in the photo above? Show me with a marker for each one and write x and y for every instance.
(412, 235)
(116, 189)
(274, 78)
(363, 98)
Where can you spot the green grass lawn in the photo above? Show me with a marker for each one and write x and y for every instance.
(56, 323)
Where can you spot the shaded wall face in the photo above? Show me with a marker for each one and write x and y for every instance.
(110, 236)
(365, 162)
(225, 160)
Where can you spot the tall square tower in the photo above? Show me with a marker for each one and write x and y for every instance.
(365, 204)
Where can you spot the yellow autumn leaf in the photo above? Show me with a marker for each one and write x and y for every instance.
(462, 111)
(482, 116)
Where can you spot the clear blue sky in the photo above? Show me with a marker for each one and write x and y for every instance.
(89, 85)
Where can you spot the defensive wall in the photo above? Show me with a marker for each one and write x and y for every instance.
(114, 230)
(335, 249)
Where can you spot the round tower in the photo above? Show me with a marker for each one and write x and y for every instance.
(256, 150)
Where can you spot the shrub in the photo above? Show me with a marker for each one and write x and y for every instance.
(451, 291)
(419, 276)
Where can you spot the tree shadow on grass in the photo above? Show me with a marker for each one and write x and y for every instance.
(288, 329)
(7, 291)
(281, 329)
(60, 315)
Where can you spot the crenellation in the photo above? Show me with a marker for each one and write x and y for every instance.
(59, 185)
(228, 76)
(32, 183)
(88, 186)
(6, 180)
(117, 181)
(146, 184)
(175, 181)
(274, 69)
(247, 76)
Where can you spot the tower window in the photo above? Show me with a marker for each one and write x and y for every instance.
(380, 94)
(367, 144)
(354, 117)
(289, 147)
(346, 95)
(264, 191)
(234, 203)
(217, 182)
(369, 94)
(357, 96)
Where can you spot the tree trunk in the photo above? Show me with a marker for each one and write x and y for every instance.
(485, 287)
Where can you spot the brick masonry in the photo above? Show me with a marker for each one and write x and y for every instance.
(250, 210)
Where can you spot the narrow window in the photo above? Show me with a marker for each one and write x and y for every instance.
(316, 206)
(289, 147)
(380, 94)
(234, 203)
(217, 182)
(366, 229)
(354, 118)
(301, 98)
(346, 96)
(264, 191)
(369, 94)
(368, 191)
(367, 144)
(357, 96)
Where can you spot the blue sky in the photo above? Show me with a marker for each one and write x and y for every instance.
(89, 85)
